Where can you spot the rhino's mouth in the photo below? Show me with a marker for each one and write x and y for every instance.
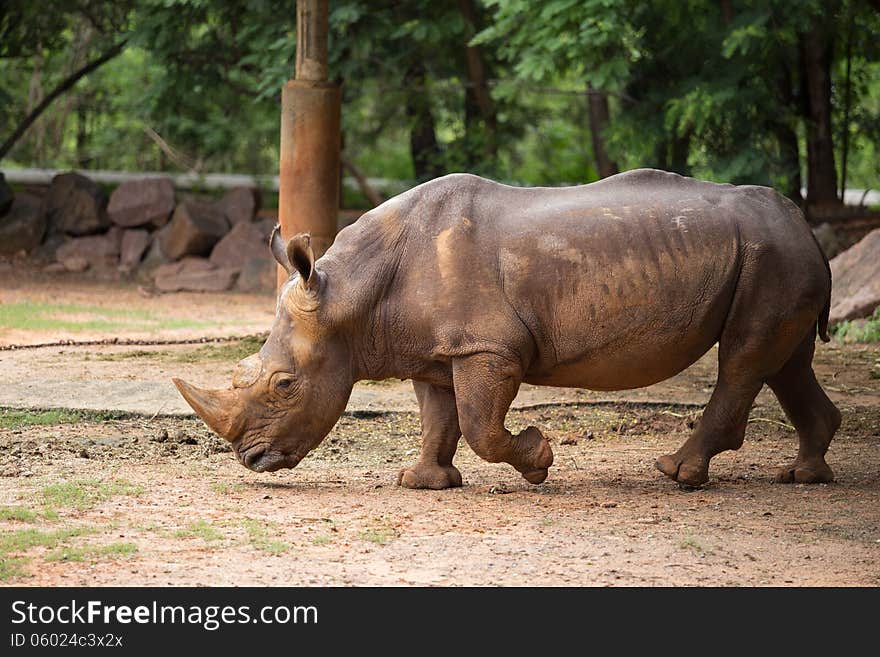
(261, 458)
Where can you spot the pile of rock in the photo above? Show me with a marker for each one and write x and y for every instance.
(855, 277)
(142, 230)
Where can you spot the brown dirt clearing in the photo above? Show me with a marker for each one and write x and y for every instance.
(192, 516)
(110, 499)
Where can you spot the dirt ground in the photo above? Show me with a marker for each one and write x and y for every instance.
(90, 498)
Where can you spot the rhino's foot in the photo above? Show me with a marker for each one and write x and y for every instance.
(425, 475)
(691, 471)
(537, 455)
(813, 471)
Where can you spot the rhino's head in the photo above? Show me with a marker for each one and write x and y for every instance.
(285, 399)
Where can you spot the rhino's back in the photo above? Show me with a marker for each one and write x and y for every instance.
(625, 282)
(616, 284)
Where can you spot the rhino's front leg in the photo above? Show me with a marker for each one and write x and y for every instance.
(440, 434)
(485, 385)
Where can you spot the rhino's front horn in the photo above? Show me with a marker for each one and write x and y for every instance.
(218, 408)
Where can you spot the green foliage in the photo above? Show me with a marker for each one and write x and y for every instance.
(859, 330)
(261, 537)
(690, 87)
(200, 529)
(232, 351)
(18, 513)
(16, 544)
(83, 494)
(31, 315)
(92, 553)
(15, 419)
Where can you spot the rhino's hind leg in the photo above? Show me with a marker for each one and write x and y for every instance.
(814, 416)
(722, 427)
(440, 434)
(485, 385)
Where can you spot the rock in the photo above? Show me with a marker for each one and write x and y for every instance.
(54, 268)
(194, 275)
(828, 240)
(182, 437)
(855, 275)
(98, 251)
(194, 229)
(569, 440)
(266, 227)
(142, 202)
(75, 264)
(155, 256)
(131, 250)
(258, 275)
(23, 227)
(6, 195)
(240, 204)
(244, 242)
(115, 236)
(76, 205)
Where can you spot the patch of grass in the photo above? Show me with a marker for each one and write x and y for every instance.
(24, 539)
(225, 488)
(200, 529)
(379, 535)
(322, 540)
(83, 494)
(691, 543)
(261, 538)
(227, 351)
(92, 552)
(17, 419)
(125, 355)
(859, 330)
(20, 513)
(30, 315)
(224, 352)
(12, 567)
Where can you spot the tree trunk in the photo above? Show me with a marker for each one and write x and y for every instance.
(790, 161)
(425, 151)
(480, 138)
(679, 150)
(817, 52)
(59, 89)
(597, 103)
(786, 136)
(82, 134)
(847, 103)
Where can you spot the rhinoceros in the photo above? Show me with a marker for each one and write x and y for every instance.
(469, 287)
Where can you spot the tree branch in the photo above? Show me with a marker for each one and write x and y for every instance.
(60, 89)
(366, 189)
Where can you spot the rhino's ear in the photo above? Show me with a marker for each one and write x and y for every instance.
(301, 256)
(279, 249)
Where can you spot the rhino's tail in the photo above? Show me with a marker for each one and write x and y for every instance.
(822, 322)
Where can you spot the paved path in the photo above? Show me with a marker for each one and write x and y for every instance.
(138, 380)
(112, 379)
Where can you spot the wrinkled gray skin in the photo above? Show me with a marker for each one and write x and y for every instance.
(469, 287)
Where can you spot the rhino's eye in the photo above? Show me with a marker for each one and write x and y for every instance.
(283, 384)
